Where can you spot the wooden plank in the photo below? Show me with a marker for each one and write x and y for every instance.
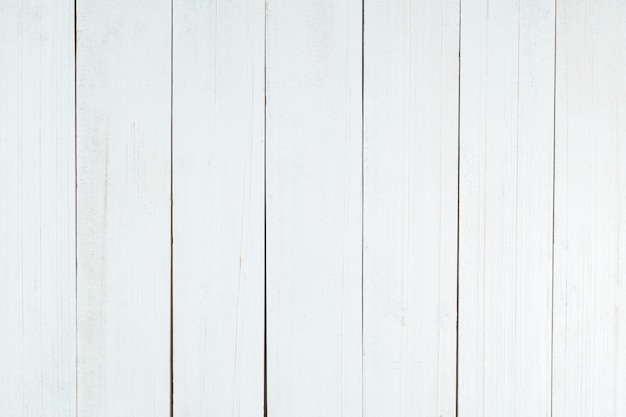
(37, 238)
(123, 196)
(590, 216)
(218, 174)
(313, 162)
(410, 207)
(506, 172)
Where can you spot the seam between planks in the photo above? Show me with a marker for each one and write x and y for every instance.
(458, 212)
(553, 201)
(362, 201)
(265, 209)
(171, 208)
(75, 217)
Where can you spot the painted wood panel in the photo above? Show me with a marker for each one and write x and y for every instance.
(362, 159)
(123, 207)
(313, 162)
(218, 179)
(411, 72)
(505, 219)
(590, 204)
(37, 235)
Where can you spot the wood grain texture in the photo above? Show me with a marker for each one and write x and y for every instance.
(218, 174)
(506, 172)
(410, 207)
(590, 216)
(123, 205)
(37, 238)
(313, 161)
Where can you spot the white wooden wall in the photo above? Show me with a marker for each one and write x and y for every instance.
(37, 209)
(506, 139)
(312, 208)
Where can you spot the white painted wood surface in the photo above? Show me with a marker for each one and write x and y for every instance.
(313, 163)
(505, 218)
(218, 178)
(359, 159)
(410, 207)
(37, 246)
(590, 216)
(123, 207)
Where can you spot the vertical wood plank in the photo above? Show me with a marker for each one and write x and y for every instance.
(218, 174)
(37, 235)
(123, 205)
(410, 207)
(590, 216)
(506, 173)
(313, 162)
